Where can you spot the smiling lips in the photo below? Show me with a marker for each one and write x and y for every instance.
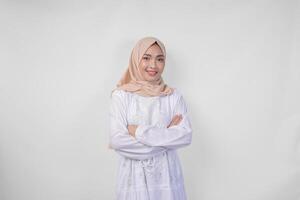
(151, 73)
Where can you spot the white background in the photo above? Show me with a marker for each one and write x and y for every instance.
(237, 64)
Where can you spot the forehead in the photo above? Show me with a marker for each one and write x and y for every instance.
(154, 50)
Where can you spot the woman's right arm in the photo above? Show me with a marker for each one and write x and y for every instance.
(120, 140)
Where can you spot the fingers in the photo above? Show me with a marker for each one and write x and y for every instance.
(132, 129)
(177, 117)
(176, 120)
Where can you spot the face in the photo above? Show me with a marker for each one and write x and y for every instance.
(152, 63)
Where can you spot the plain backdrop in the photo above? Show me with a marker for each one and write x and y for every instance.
(236, 62)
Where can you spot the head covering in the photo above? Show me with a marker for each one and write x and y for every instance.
(133, 81)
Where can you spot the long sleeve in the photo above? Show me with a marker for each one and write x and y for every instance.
(120, 140)
(172, 138)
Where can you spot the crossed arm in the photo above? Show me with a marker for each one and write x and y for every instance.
(144, 141)
(175, 121)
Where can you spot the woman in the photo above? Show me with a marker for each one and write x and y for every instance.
(148, 123)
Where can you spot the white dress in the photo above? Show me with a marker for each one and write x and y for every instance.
(149, 167)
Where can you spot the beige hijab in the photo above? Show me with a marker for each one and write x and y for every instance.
(133, 81)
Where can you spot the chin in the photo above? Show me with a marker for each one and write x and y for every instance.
(152, 79)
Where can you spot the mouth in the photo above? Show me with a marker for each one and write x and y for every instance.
(151, 72)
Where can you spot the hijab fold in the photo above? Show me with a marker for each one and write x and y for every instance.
(133, 81)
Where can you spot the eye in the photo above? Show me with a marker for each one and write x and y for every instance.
(161, 59)
(146, 58)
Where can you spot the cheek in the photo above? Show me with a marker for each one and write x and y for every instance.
(143, 73)
(142, 67)
(161, 68)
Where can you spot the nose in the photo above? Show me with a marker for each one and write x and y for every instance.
(152, 63)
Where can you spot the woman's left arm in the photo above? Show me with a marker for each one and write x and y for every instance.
(173, 137)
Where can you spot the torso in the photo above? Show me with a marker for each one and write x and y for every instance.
(159, 177)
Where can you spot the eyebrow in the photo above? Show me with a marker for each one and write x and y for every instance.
(160, 55)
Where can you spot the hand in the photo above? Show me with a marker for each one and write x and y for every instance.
(132, 129)
(175, 121)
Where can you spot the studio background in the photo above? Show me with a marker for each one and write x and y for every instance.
(235, 62)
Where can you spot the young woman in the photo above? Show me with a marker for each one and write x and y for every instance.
(148, 123)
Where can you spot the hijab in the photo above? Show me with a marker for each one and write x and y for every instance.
(133, 81)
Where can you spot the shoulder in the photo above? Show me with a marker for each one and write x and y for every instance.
(176, 99)
(121, 93)
(118, 93)
(178, 102)
(177, 92)
(121, 96)
(176, 95)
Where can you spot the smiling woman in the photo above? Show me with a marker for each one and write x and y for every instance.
(148, 123)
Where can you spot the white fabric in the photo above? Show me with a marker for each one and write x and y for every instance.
(149, 167)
